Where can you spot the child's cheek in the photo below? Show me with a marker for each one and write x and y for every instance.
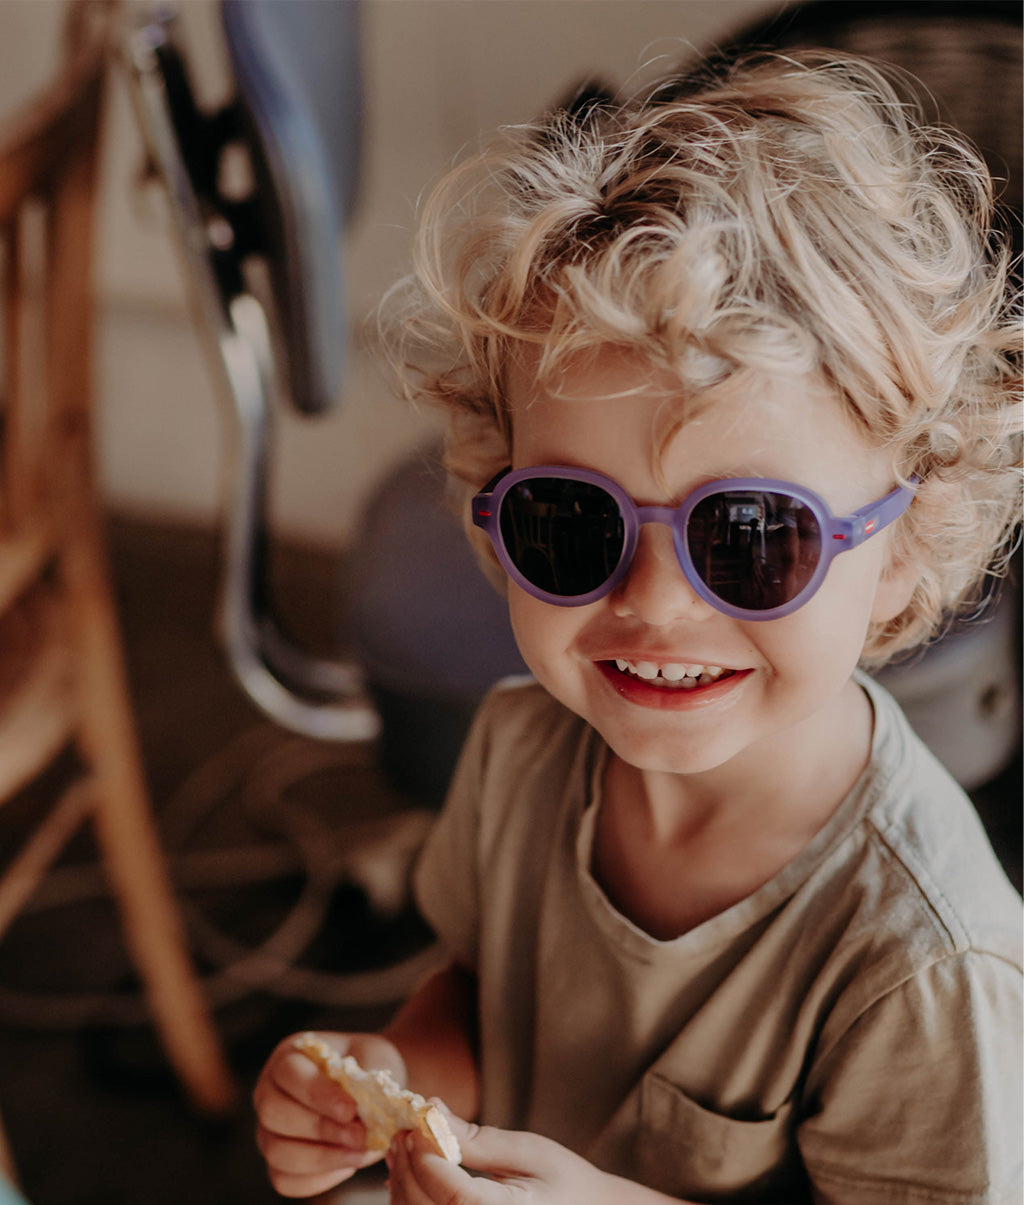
(548, 638)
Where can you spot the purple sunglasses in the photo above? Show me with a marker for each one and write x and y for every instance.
(752, 547)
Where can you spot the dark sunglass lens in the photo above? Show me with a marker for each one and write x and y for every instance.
(565, 537)
(754, 549)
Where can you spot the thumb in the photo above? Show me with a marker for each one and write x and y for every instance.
(497, 1152)
(413, 1160)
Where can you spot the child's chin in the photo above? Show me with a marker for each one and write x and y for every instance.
(667, 756)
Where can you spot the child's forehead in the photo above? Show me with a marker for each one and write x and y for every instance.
(614, 410)
(601, 372)
(612, 379)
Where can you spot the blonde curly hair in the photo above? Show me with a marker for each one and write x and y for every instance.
(777, 215)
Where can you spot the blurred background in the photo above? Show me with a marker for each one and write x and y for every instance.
(438, 76)
(288, 855)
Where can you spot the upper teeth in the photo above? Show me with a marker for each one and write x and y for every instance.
(672, 671)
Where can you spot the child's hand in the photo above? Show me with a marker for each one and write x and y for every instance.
(526, 1170)
(307, 1128)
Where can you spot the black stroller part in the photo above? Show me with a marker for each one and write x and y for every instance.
(289, 222)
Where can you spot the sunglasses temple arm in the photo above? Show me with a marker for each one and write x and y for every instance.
(481, 511)
(482, 503)
(870, 519)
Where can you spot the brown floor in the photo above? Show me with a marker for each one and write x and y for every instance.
(92, 1114)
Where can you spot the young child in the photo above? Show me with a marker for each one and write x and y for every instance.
(720, 927)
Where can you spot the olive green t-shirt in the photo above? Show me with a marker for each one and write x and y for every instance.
(849, 1032)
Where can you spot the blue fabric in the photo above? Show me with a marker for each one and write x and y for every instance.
(9, 1195)
(297, 69)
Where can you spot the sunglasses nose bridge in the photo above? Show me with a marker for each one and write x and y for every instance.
(671, 517)
(667, 515)
(657, 514)
(656, 586)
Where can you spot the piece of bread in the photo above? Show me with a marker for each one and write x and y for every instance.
(383, 1107)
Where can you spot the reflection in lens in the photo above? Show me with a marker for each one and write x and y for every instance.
(754, 549)
(565, 537)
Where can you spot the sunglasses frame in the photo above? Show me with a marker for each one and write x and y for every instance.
(838, 534)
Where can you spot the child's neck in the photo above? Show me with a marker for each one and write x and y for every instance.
(674, 850)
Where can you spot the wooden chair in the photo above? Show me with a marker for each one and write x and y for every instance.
(62, 673)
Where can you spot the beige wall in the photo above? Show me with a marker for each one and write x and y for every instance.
(438, 74)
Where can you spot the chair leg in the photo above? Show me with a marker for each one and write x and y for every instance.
(138, 874)
(7, 1167)
(128, 839)
(25, 871)
(153, 932)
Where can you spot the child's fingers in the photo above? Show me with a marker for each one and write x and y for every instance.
(419, 1176)
(294, 1156)
(410, 1184)
(291, 1074)
(305, 1168)
(498, 1152)
(306, 1186)
(286, 1117)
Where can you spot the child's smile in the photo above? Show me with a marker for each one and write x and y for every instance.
(669, 681)
(671, 684)
(673, 675)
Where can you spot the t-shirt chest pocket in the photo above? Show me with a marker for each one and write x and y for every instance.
(686, 1150)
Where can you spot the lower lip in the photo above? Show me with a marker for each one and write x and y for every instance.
(669, 698)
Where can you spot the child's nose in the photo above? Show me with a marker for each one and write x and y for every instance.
(654, 589)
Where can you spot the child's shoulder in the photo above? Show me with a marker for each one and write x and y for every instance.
(524, 741)
(518, 708)
(928, 833)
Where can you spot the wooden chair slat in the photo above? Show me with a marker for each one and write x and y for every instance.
(63, 677)
(23, 557)
(37, 720)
